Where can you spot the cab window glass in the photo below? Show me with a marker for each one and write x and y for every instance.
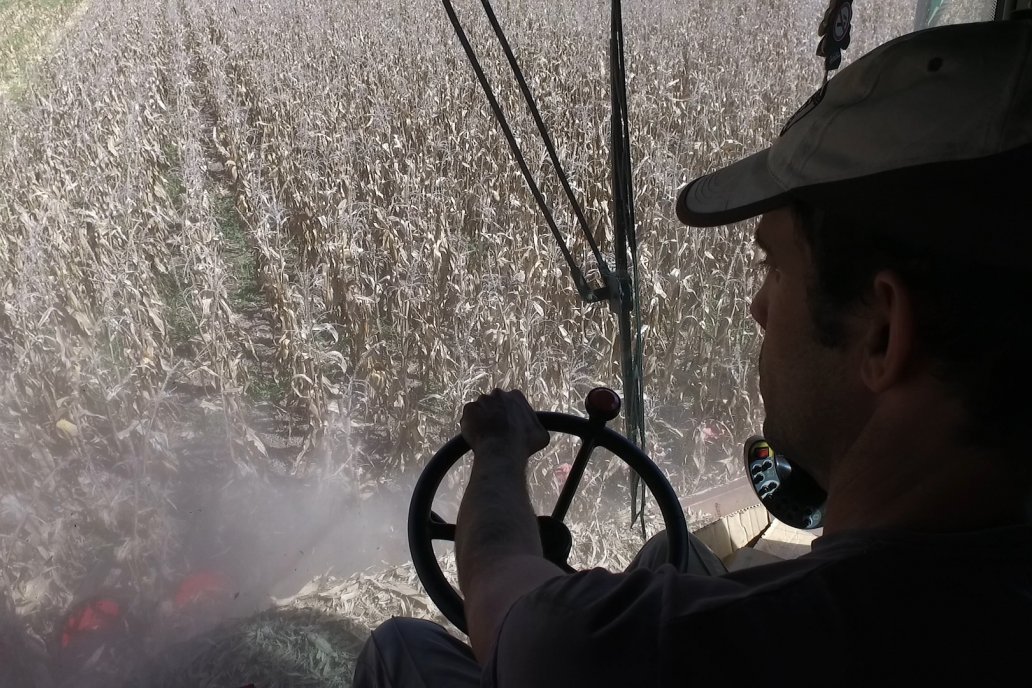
(931, 13)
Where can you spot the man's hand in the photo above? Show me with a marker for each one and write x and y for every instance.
(503, 423)
(497, 543)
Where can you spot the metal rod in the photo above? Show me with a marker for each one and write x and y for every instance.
(586, 292)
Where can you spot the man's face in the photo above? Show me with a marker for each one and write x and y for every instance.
(812, 394)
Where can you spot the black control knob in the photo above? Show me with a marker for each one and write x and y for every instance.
(602, 404)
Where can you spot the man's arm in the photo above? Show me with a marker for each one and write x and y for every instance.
(497, 543)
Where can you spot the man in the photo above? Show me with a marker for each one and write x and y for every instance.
(895, 222)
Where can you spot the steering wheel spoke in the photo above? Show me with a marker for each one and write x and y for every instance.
(439, 529)
(573, 479)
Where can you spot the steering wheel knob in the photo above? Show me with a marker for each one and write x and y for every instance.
(602, 404)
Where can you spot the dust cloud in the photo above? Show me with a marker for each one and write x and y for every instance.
(243, 544)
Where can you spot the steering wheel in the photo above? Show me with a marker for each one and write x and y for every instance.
(602, 404)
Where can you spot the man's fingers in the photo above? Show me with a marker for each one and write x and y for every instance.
(503, 415)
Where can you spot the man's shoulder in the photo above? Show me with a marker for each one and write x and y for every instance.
(852, 584)
(864, 590)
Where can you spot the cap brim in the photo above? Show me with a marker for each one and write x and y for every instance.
(737, 192)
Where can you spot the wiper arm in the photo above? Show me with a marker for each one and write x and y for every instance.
(587, 292)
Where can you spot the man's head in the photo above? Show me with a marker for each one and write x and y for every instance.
(897, 212)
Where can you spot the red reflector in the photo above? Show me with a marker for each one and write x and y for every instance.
(98, 615)
(201, 586)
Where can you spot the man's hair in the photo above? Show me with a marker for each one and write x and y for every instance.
(972, 320)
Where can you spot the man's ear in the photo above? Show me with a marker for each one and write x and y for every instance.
(889, 341)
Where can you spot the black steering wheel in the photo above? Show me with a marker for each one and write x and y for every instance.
(602, 404)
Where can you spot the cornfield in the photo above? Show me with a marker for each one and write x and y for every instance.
(287, 240)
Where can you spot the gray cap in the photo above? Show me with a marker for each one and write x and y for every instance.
(931, 121)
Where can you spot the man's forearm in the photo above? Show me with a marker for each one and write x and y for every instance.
(495, 516)
(497, 546)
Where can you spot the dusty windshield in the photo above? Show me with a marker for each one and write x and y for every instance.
(254, 258)
(940, 12)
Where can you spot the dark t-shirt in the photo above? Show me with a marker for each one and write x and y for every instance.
(875, 608)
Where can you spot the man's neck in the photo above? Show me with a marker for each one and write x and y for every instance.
(907, 470)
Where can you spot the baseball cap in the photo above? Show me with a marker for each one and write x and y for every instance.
(932, 124)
